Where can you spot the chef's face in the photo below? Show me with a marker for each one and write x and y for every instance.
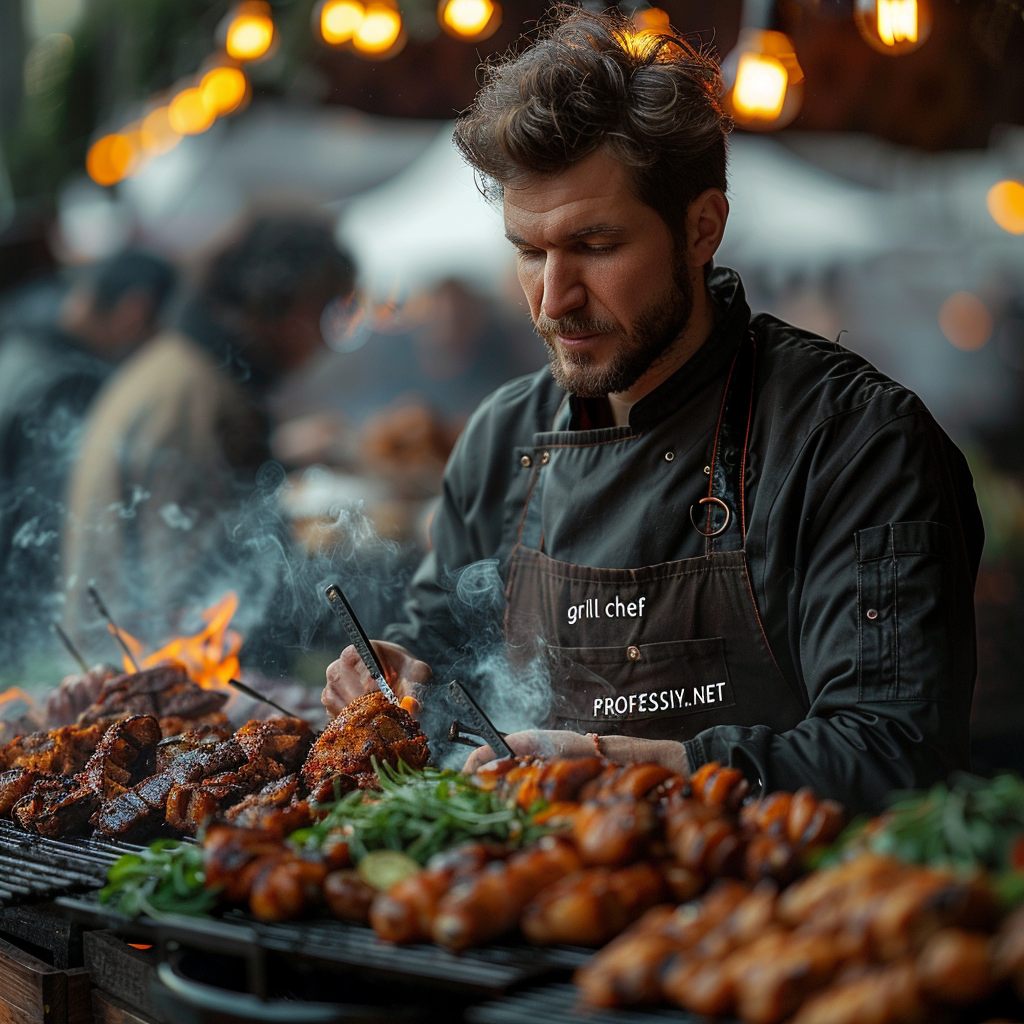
(608, 290)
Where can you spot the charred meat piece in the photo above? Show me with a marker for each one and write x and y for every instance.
(286, 740)
(370, 727)
(170, 748)
(61, 751)
(163, 692)
(16, 784)
(73, 694)
(274, 796)
(348, 897)
(175, 725)
(229, 853)
(57, 806)
(613, 834)
(141, 809)
(125, 755)
(191, 804)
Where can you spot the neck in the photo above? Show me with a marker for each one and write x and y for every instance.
(689, 340)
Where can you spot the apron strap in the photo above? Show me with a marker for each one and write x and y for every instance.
(727, 479)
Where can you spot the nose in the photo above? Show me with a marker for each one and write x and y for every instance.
(563, 289)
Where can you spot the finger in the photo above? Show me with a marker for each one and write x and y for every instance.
(477, 759)
(418, 672)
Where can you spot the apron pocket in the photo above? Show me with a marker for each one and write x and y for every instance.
(604, 686)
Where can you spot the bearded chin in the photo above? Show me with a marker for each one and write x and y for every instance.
(643, 346)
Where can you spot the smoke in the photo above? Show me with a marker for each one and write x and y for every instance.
(512, 685)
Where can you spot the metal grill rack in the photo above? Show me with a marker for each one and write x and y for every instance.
(560, 1004)
(485, 972)
(34, 868)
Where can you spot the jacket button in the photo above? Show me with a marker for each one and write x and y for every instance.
(545, 458)
(633, 653)
(872, 614)
(526, 461)
(669, 456)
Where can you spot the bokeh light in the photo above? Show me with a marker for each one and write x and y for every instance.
(965, 321)
(766, 80)
(224, 90)
(1005, 202)
(156, 134)
(894, 27)
(760, 89)
(188, 114)
(469, 20)
(250, 31)
(111, 158)
(380, 32)
(339, 20)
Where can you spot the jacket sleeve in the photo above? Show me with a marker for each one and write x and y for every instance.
(881, 616)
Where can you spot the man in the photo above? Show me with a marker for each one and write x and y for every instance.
(49, 374)
(168, 507)
(740, 542)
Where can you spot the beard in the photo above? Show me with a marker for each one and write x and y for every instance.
(642, 343)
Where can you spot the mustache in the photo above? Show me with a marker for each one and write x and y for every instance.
(571, 323)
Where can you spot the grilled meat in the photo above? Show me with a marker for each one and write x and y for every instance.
(275, 808)
(141, 809)
(73, 694)
(170, 748)
(125, 755)
(57, 806)
(16, 784)
(163, 692)
(192, 804)
(370, 727)
(286, 740)
(62, 751)
(348, 896)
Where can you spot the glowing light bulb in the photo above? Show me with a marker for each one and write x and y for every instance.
(188, 114)
(111, 158)
(156, 134)
(1005, 202)
(965, 321)
(380, 33)
(249, 30)
(339, 20)
(894, 26)
(766, 80)
(469, 20)
(223, 90)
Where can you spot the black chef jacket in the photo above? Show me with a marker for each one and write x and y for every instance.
(856, 498)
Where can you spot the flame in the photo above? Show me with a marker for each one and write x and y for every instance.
(210, 657)
(9, 700)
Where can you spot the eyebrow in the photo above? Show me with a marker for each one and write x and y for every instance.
(593, 229)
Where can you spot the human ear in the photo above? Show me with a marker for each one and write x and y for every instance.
(705, 225)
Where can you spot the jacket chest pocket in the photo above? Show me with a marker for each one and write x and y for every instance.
(634, 683)
(903, 597)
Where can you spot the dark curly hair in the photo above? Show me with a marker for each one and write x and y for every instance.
(590, 81)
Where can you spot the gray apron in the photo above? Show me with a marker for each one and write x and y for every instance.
(660, 651)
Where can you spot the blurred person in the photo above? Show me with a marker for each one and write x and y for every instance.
(167, 497)
(49, 375)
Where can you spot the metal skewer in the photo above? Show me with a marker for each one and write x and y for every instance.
(458, 735)
(256, 695)
(360, 640)
(111, 625)
(479, 723)
(71, 648)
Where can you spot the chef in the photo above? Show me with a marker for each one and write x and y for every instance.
(738, 541)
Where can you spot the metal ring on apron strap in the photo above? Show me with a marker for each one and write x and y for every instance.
(725, 523)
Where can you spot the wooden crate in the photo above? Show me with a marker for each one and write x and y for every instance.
(32, 992)
(122, 978)
(108, 1009)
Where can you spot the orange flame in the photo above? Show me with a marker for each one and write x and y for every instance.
(210, 657)
(14, 694)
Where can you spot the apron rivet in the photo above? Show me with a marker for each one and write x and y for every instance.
(526, 462)
(545, 458)
(634, 653)
(669, 456)
(872, 614)
(707, 471)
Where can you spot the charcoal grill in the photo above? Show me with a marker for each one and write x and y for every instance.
(34, 869)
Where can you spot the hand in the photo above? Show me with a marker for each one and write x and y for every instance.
(536, 743)
(347, 678)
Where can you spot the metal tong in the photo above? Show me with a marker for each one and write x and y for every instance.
(360, 641)
(476, 722)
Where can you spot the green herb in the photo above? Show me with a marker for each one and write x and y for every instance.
(166, 878)
(971, 823)
(419, 812)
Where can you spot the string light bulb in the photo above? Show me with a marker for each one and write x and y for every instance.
(765, 80)
(111, 158)
(224, 89)
(469, 20)
(188, 114)
(339, 20)
(1005, 201)
(248, 31)
(380, 34)
(893, 27)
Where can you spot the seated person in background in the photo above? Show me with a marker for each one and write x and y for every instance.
(164, 509)
(49, 374)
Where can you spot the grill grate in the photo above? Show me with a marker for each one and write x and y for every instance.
(560, 1004)
(34, 868)
(487, 971)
